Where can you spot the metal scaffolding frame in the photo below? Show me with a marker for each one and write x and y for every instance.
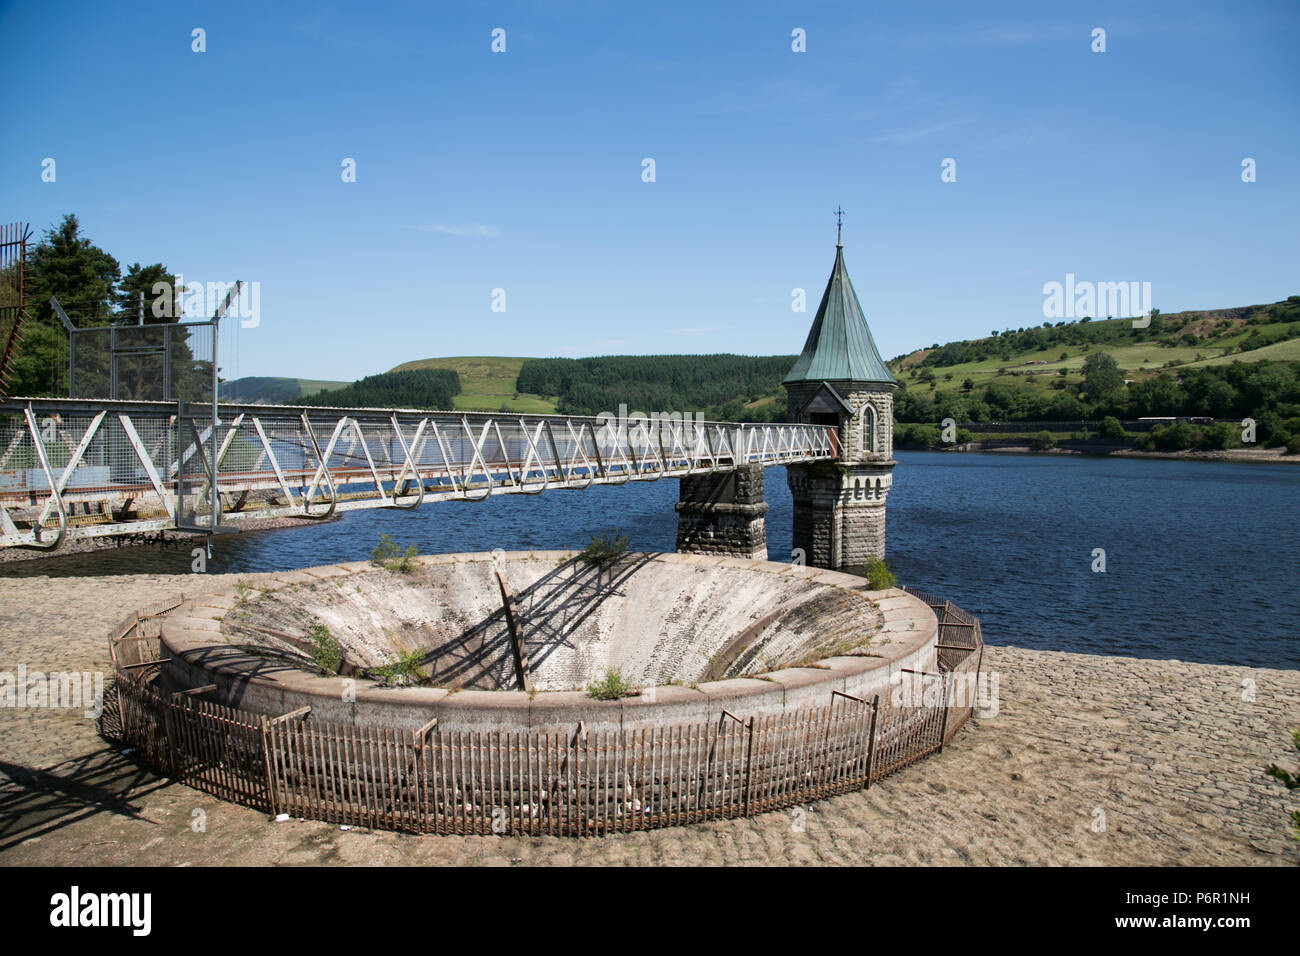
(79, 469)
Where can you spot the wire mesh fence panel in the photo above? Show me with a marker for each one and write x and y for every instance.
(119, 360)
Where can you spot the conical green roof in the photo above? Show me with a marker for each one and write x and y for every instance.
(839, 346)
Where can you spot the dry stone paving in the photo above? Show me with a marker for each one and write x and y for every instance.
(1089, 760)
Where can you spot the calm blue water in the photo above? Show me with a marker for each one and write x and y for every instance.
(1200, 556)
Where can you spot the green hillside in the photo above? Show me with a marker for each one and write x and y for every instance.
(1288, 351)
(1037, 372)
(1180, 338)
(487, 384)
(310, 386)
(270, 390)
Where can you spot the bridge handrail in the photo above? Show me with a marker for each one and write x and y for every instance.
(114, 451)
(15, 404)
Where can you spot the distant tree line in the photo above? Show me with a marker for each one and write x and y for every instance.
(424, 388)
(1266, 391)
(1048, 336)
(716, 386)
(93, 289)
(1272, 432)
(271, 390)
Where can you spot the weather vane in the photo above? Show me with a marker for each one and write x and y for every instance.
(839, 220)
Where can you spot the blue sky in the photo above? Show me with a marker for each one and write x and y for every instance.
(523, 170)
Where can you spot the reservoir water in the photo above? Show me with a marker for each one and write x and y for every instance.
(1200, 557)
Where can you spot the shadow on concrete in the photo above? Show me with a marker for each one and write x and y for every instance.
(550, 610)
(36, 802)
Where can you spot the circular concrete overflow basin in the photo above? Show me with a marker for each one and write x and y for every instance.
(473, 693)
(690, 637)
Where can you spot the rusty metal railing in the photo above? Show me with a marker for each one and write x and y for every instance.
(588, 783)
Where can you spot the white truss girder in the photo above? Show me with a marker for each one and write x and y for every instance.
(271, 459)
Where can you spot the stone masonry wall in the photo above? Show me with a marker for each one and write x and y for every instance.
(862, 534)
(852, 437)
(857, 443)
(815, 490)
(723, 514)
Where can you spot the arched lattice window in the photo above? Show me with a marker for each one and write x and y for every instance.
(868, 419)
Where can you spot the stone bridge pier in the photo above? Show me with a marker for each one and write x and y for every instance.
(723, 513)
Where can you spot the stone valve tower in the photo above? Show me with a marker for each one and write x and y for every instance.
(839, 379)
(839, 506)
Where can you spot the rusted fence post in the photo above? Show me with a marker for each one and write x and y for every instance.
(422, 801)
(266, 759)
(749, 750)
(132, 628)
(871, 739)
(947, 703)
(749, 764)
(268, 748)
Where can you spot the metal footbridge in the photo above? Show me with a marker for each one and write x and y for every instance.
(74, 469)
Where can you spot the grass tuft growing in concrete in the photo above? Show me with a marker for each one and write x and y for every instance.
(389, 554)
(604, 550)
(327, 653)
(611, 687)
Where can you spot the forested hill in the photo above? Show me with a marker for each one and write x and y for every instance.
(417, 388)
(724, 387)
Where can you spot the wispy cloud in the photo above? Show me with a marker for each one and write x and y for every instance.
(910, 134)
(477, 229)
